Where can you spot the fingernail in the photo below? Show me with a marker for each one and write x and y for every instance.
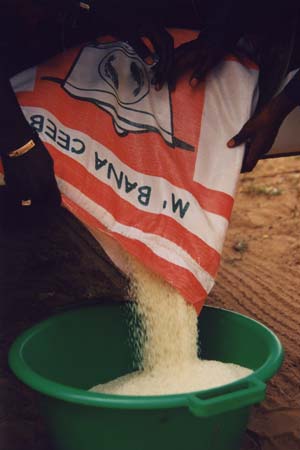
(149, 60)
(194, 82)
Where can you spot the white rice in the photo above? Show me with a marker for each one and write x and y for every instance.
(166, 346)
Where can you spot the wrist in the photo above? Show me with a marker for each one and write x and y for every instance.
(280, 106)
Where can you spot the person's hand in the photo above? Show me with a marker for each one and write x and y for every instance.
(142, 27)
(260, 131)
(31, 188)
(199, 56)
(158, 50)
(258, 134)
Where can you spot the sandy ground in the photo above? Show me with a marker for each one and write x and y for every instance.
(260, 277)
(50, 269)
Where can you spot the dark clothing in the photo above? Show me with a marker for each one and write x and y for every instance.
(22, 48)
(15, 131)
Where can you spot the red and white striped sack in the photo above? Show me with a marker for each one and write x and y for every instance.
(148, 168)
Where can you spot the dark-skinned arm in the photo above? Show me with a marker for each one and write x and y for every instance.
(224, 24)
(260, 131)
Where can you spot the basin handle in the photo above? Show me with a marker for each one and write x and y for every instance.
(241, 394)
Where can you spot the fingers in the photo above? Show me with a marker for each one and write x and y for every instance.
(164, 47)
(184, 59)
(209, 60)
(260, 144)
(255, 147)
(199, 73)
(259, 136)
(243, 136)
(252, 149)
(252, 154)
(200, 56)
(141, 49)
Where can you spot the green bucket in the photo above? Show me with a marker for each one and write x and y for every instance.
(65, 355)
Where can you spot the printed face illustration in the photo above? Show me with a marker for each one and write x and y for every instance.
(114, 78)
(126, 76)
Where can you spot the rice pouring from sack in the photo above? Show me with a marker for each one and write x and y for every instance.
(166, 345)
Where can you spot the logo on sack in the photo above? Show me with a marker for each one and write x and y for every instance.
(114, 78)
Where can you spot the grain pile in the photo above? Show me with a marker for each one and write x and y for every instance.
(166, 345)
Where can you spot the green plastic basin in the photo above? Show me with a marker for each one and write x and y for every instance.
(67, 354)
